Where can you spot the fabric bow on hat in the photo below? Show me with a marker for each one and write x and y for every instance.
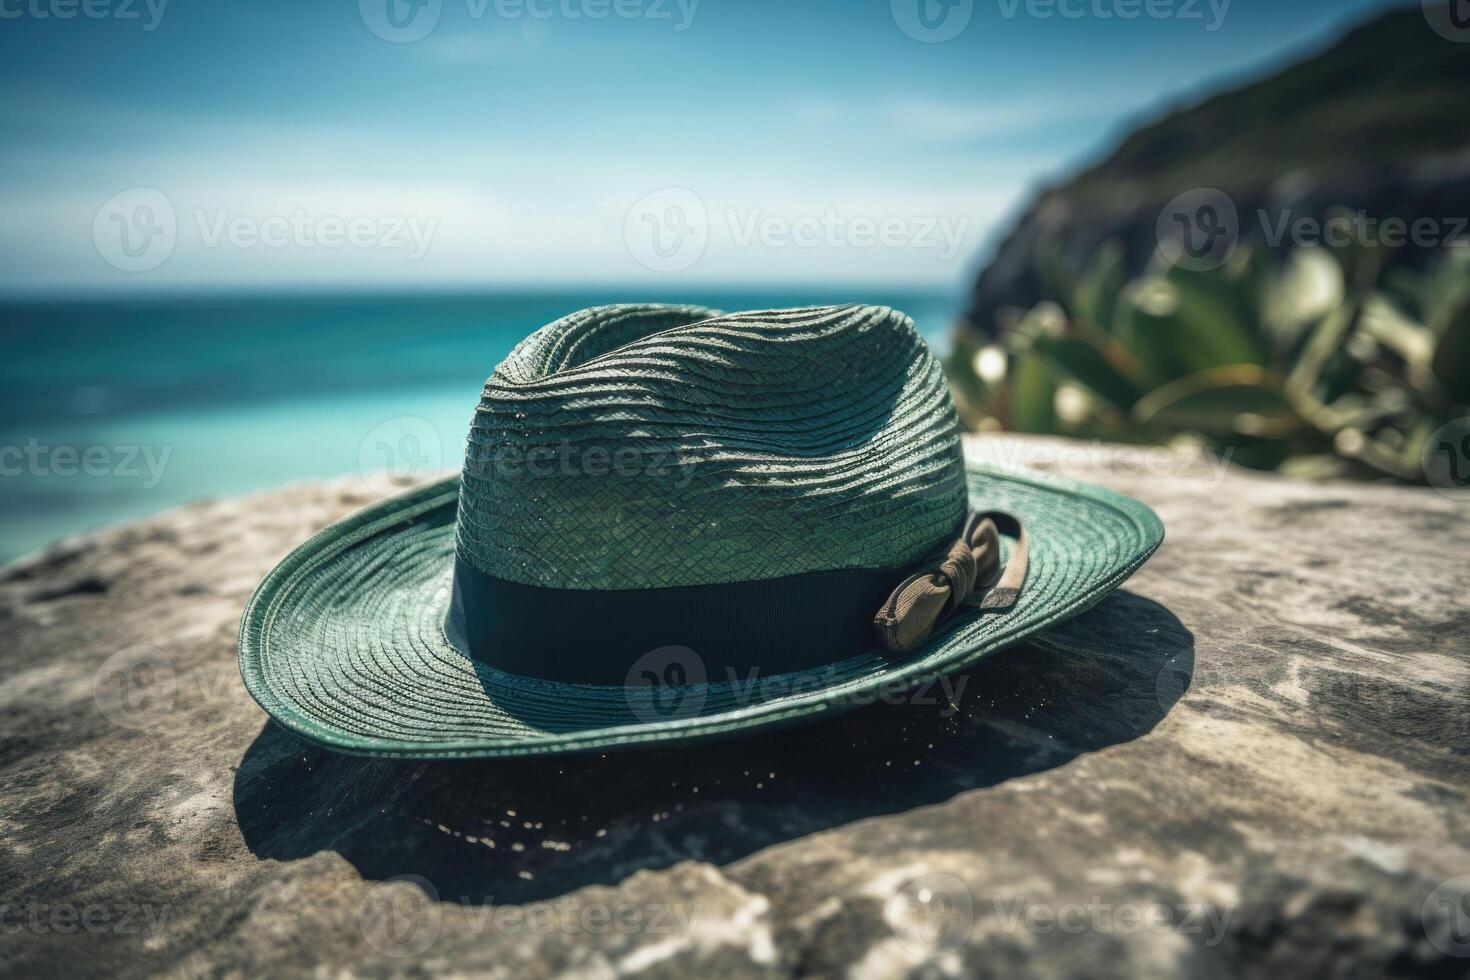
(969, 574)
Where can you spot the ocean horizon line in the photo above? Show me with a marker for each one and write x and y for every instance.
(616, 291)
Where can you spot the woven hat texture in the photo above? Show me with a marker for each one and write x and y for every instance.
(630, 447)
(754, 445)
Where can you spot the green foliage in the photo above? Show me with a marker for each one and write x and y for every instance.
(1318, 365)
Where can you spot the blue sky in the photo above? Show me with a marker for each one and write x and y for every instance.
(513, 142)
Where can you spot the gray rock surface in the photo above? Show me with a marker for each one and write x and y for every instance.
(1254, 759)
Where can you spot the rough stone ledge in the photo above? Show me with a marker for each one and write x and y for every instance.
(1253, 760)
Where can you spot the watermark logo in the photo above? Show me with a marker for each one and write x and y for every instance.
(400, 21)
(141, 688)
(666, 684)
(135, 230)
(1446, 916)
(932, 914)
(136, 688)
(932, 21)
(1199, 229)
(667, 230)
(1446, 459)
(401, 916)
(399, 452)
(1450, 20)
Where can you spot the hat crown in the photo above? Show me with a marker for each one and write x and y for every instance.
(650, 446)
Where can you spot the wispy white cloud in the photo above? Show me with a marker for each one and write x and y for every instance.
(939, 120)
(513, 208)
(947, 121)
(957, 120)
(522, 230)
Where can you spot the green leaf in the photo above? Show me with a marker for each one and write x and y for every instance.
(1361, 261)
(1446, 287)
(1309, 287)
(1101, 282)
(1090, 367)
(1451, 364)
(1220, 311)
(1033, 394)
(1387, 324)
(1054, 276)
(1173, 331)
(1237, 399)
(1325, 341)
(1149, 326)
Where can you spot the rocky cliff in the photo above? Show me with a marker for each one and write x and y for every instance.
(1373, 124)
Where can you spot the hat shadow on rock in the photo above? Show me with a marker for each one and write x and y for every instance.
(533, 829)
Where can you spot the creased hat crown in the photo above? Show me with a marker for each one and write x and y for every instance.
(651, 446)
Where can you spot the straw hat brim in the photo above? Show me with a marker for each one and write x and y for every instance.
(343, 642)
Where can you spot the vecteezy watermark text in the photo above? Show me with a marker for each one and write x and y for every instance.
(668, 230)
(833, 229)
(66, 918)
(404, 917)
(142, 463)
(298, 229)
(404, 21)
(508, 461)
(1097, 458)
(680, 13)
(148, 12)
(137, 230)
(1201, 229)
(935, 21)
(1211, 13)
(1361, 228)
(1100, 916)
(936, 913)
(673, 682)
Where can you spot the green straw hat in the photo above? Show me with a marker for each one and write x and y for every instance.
(674, 524)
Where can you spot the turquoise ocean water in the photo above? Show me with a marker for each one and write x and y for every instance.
(111, 411)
